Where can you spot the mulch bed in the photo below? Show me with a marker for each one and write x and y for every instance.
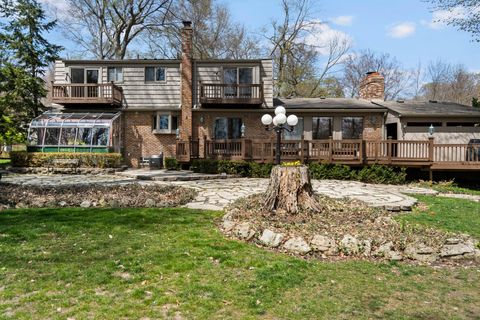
(93, 195)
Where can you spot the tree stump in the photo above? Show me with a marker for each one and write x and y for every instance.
(290, 190)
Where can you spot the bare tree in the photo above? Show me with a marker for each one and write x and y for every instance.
(418, 77)
(357, 65)
(106, 28)
(302, 64)
(464, 14)
(451, 83)
(215, 34)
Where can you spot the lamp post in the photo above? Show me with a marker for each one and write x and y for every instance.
(279, 125)
(431, 130)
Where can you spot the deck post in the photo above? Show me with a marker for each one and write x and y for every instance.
(330, 149)
(302, 149)
(205, 143)
(389, 149)
(363, 151)
(430, 149)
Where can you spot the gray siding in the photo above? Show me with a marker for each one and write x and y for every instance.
(137, 93)
(213, 73)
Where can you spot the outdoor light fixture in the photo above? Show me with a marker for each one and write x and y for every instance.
(177, 133)
(242, 130)
(279, 123)
(431, 130)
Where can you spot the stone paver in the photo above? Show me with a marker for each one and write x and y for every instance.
(217, 194)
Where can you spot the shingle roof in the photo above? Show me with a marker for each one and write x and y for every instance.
(429, 108)
(327, 103)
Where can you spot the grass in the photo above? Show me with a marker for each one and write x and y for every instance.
(455, 215)
(449, 187)
(134, 263)
(4, 162)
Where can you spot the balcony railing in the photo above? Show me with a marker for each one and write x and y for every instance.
(88, 93)
(221, 93)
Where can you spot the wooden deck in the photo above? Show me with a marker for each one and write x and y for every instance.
(89, 93)
(418, 154)
(215, 93)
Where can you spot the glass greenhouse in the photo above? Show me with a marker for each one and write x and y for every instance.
(75, 132)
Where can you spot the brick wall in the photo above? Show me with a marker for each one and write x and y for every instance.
(141, 142)
(372, 87)
(372, 127)
(186, 83)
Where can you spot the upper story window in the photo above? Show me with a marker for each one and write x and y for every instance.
(115, 74)
(155, 74)
(238, 76)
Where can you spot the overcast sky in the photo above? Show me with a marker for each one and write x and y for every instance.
(405, 29)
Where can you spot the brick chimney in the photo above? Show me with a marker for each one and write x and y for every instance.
(372, 86)
(187, 83)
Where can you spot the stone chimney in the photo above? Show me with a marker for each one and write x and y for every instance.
(372, 86)
(186, 83)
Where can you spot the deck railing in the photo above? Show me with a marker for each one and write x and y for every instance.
(221, 93)
(86, 93)
(356, 152)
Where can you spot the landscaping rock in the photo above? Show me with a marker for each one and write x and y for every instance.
(271, 239)
(349, 245)
(297, 245)
(453, 241)
(451, 250)
(420, 252)
(62, 204)
(366, 247)
(324, 244)
(114, 203)
(228, 225)
(244, 231)
(384, 249)
(150, 203)
(86, 204)
(395, 256)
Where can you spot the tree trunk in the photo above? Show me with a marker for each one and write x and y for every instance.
(290, 190)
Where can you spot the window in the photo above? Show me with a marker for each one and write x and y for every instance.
(67, 137)
(155, 74)
(99, 137)
(297, 132)
(352, 127)
(228, 128)
(234, 76)
(51, 136)
(164, 123)
(322, 128)
(77, 75)
(424, 124)
(115, 74)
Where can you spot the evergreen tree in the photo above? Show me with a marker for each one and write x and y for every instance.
(24, 56)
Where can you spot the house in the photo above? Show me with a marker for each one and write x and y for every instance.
(189, 108)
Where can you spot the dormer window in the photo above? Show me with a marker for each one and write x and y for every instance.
(155, 74)
(115, 74)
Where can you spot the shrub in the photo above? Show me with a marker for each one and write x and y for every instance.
(234, 167)
(205, 166)
(40, 159)
(331, 171)
(382, 174)
(172, 164)
(260, 170)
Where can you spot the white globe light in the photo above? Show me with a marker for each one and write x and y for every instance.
(274, 121)
(281, 118)
(267, 119)
(280, 110)
(292, 120)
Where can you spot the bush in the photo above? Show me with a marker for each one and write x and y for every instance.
(382, 174)
(234, 167)
(172, 164)
(40, 159)
(331, 171)
(205, 166)
(260, 170)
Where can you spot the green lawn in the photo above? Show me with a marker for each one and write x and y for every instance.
(4, 162)
(449, 187)
(455, 215)
(134, 263)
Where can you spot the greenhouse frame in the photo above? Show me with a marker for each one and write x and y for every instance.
(75, 132)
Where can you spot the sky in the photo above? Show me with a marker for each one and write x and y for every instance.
(403, 28)
(406, 29)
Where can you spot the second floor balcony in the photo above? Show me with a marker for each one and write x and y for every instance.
(222, 93)
(86, 93)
